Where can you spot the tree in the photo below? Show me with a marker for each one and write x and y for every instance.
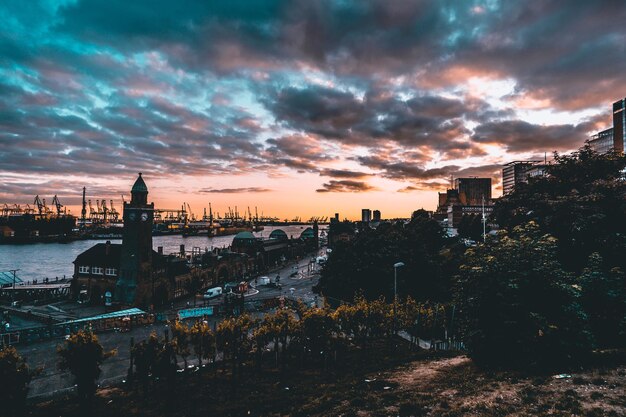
(581, 201)
(471, 227)
(82, 355)
(203, 341)
(366, 263)
(519, 307)
(17, 376)
(181, 337)
(604, 301)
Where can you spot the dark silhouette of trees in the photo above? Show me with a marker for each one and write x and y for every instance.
(16, 376)
(471, 227)
(366, 263)
(82, 355)
(604, 301)
(581, 201)
(519, 307)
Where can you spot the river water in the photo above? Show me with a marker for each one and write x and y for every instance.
(50, 260)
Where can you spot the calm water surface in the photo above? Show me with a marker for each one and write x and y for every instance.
(50, 260)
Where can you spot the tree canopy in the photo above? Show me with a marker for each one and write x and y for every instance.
(366, 262)
(518, 306)
(581, 201)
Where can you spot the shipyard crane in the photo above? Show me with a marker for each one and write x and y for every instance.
(39, 204)
(83, 212)
(105, 210)
(57, 204)
(92, 212)
(113, 212)
(190, 215)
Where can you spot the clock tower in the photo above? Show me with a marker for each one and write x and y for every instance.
(135, 279)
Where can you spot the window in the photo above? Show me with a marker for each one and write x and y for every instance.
(83, 269)
(96, 270)
(111, 271)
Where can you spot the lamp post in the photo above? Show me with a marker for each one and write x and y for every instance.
(395, 290)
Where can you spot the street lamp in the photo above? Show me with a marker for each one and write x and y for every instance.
(395, 290)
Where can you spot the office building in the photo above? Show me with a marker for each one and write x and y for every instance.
(472, 191)
(515, 173)
(366, 215)
(376, 215)
(612, 138)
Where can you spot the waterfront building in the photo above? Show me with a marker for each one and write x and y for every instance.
(266, 253)
(134, 274)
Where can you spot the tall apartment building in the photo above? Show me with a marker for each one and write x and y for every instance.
(366, 215)
(376, 215)
(612, 138)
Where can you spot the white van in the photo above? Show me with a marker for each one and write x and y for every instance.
(263, 280)
(213, 292)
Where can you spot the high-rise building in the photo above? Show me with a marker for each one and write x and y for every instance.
(612, 138)
(136, 255)
(472, 191)
(366, 215)
(515, 173)
(376, 215)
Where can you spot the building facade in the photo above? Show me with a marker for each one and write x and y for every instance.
(136, 275)
(473, 191)
(612, 139)
(515, 173)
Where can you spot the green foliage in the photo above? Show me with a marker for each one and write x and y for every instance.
(581, 202)
(202, 339)
(519, 306)
(82, 355)
(471, 227)
(366, 262)
(16, 376)
(181, 337)
(604, 300)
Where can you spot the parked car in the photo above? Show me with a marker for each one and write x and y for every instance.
(212, 293)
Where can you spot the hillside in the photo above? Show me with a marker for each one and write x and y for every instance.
(379, 381)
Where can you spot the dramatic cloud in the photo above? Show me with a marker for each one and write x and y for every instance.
(412, 91)
(345, 186)
(234, 190)
(343, 173)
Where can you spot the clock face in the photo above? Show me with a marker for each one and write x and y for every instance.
(144, 217)
(131, 216)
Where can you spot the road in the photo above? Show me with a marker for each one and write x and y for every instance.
(52, 380)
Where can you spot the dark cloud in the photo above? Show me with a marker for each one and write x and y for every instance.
(343, 173)
(521, 136)
(189, 87)
(345, 186)
(234, 190)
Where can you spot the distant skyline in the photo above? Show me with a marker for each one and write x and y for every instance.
(299, 107)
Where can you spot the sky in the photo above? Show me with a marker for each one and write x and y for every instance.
(297, 107)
